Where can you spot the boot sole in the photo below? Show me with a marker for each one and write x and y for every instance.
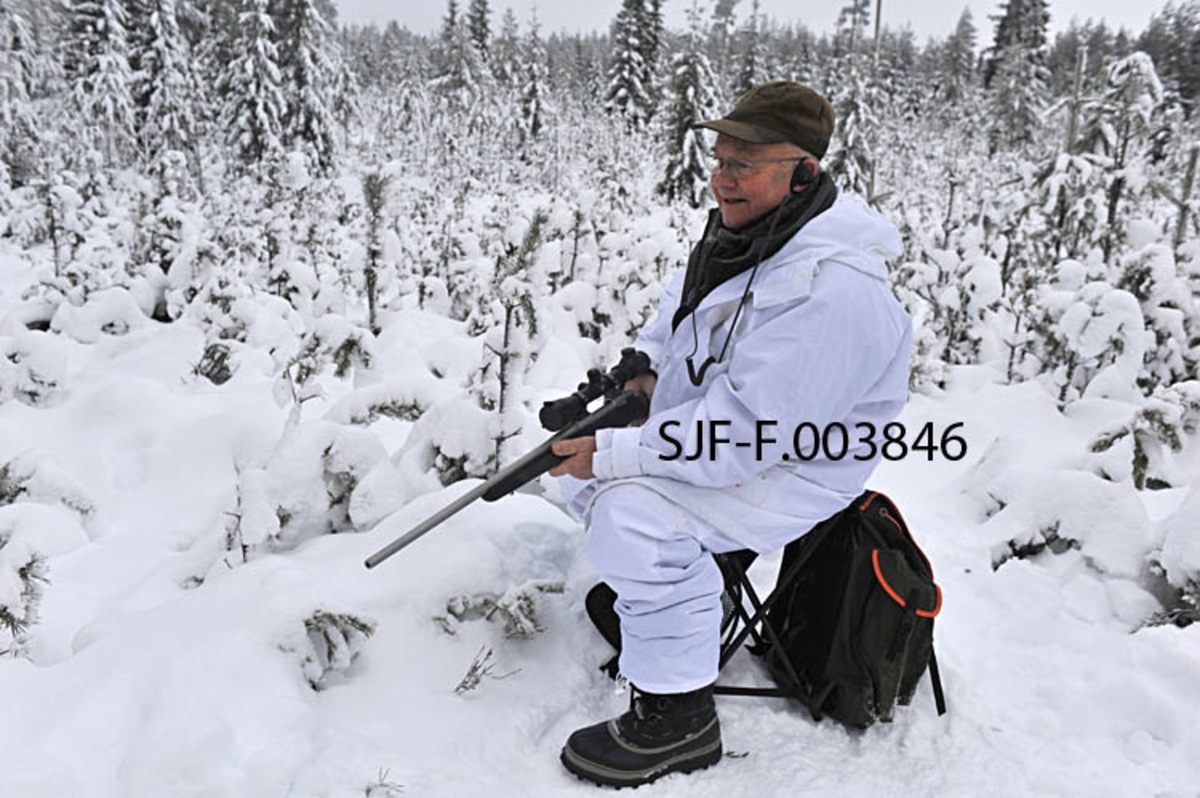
(688, 762)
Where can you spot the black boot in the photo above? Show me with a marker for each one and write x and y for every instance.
(660, 734)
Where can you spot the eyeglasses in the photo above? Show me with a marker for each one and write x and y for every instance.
(742, 168)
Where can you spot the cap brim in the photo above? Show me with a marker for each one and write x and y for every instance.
(742, 131)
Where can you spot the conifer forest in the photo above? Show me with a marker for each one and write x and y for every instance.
(363, 257)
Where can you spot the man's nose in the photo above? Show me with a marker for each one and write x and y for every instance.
(722, 179)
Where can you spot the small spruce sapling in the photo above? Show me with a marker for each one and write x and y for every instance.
(24, 576)
(332, 642)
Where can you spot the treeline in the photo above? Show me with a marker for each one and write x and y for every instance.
(220, 145)
(133, 79)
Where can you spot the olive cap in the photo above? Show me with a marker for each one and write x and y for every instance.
(780, 110)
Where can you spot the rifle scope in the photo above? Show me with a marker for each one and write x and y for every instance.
(558, 413)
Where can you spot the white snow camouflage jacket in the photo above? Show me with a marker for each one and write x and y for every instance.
(822, 339)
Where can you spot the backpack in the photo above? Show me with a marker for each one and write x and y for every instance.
(853, 629)
(851, 616)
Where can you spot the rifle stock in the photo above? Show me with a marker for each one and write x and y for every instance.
(621, 411)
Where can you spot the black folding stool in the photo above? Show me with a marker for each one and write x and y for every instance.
(752, 623)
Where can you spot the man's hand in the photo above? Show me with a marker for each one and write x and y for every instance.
(578, 452)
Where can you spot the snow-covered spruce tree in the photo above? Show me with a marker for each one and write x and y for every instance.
(691, 100)
(378, 60)
(334, 641)
(162, 81)
(95, 49)
(752, 67)
(223, 293)
(479, 25)
(516, 607)
(457, 269)
(505, 51)
(327, 235)
(35, 476)
(162, 231)
(851, 34)
(465, 95)
(586, 78)
(1185, 163)
(1140, 448)
(347, 99)
(221, 305)
(406, 240)
(61, 218)
(210, 28)
(721, 36)
(535, 88)
(855, 98)
(852, 159)
(958, 59)
(463, 75)
(23, 580)
(1018, 97)
(375, 191)
(1071, 187)
(1172, 40)
(286, 223)
(1171, 310)
(206, 31)
(509, 344)
(251, 86)
(196, 19)
(654, 45)
(1089, 39)
(961, 293)
(1089, 338)
(434, 269)
(308, 65)
(404, 122)
(19, 131)
(1021, 24)
(88, 228)
(331, 343)
(1072, 202)
(450, 22)
(1118, 125)
(1177, 562)
(303, 489)
(33, 372)
(627, 94)
(1015, 73)
(1006, 222)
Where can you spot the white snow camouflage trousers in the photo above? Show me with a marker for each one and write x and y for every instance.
(657, 556)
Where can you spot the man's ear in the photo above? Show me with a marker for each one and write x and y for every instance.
(803, 175)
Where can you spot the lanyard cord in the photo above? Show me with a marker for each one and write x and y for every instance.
(697, 378)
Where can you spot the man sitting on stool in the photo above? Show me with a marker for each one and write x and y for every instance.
(782, 318)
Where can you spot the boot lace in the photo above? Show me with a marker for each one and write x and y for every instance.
(648, 709)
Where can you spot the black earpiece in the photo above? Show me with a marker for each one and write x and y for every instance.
(803, 175)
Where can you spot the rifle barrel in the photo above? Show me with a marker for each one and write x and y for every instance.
(426, 525)
(619, 412)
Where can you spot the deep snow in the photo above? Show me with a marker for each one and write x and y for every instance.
(164, 666)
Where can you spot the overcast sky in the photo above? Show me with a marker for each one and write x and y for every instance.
(927, 17)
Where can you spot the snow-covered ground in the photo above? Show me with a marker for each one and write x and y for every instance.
(163, 665)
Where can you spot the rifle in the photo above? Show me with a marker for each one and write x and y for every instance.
(570, 417)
